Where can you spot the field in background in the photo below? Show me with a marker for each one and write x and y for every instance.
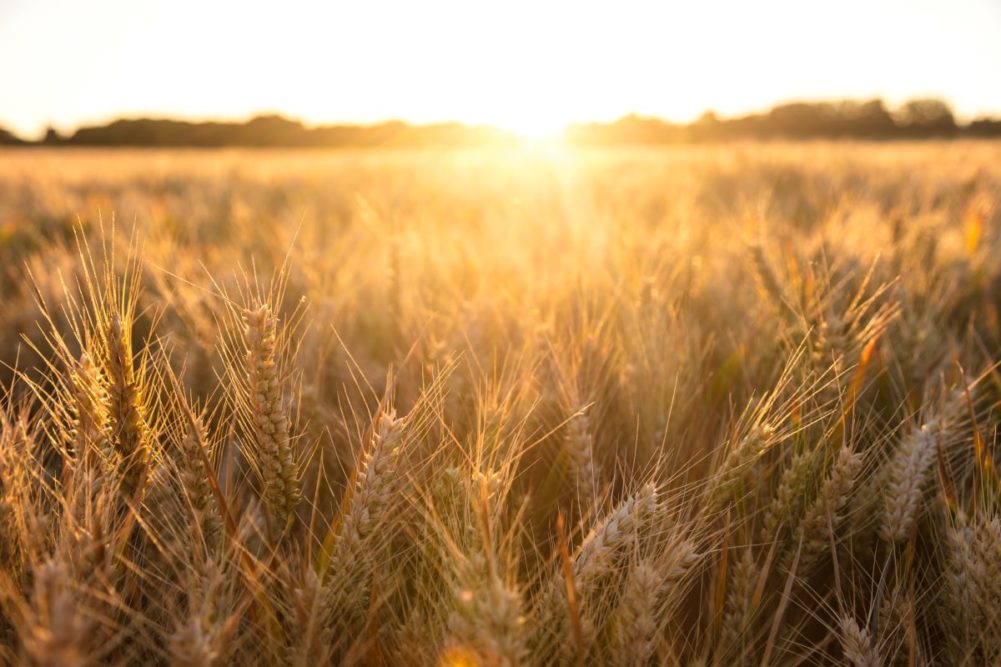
(704, 405)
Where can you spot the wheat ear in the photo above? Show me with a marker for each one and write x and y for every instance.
(856, 644)
(906, 473)
(128, 423)
(274, 455)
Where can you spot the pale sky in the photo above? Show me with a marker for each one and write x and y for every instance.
(521, 64)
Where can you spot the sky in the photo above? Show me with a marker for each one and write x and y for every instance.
(528, 65)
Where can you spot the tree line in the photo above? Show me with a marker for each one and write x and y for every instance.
(871, 119)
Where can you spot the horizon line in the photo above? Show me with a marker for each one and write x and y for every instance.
(101, 121)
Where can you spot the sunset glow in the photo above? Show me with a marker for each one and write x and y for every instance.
(527, 66)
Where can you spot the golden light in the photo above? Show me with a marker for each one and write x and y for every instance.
(534, 127)
(528, 67)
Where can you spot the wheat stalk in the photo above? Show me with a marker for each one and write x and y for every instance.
(57, 633)
(856, 645)
(196, 486)
(273, 452)
(738, 612)
(307, 619)
(487, 615)
(90, 441)
(593, 561)
(346, 580)
(820, 522)
(906, 473)
(579, 443)
(786, 504)
(636, 619)
(125, 407)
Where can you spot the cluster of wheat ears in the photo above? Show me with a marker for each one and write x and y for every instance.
(700, 407)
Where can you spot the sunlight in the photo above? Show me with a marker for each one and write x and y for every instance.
(527, 66)
(533, 127)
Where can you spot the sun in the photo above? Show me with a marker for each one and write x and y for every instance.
(533, 126)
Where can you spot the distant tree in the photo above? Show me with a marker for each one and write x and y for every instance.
(926, 117)
(866, 119)
(802, 119)
(709, 117)
(8, 139)
(52, 137)
(985, 127)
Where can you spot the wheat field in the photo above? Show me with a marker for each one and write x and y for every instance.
(717, 405)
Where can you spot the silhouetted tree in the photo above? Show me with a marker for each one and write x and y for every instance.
(8, 139)
(52, 137)
(985, 127)
(926, 117)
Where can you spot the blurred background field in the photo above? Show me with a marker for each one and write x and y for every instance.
(455, 237)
